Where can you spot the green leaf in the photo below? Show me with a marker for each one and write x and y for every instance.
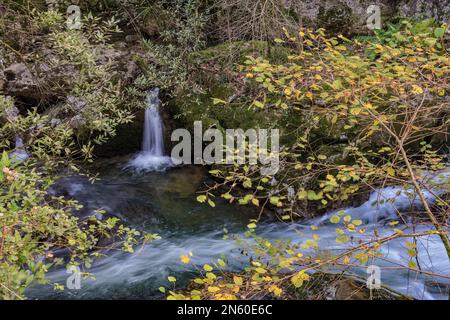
(312, 195)
(227, 196)
(258, 104)
(211, 203)
(247, 183)
(439, 32)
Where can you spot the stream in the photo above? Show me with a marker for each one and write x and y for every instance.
(147, 193)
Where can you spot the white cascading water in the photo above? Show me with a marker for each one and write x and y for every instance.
(152, 158)
(153, 126)
(19, 154)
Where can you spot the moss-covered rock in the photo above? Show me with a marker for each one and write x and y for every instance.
(237, 51)
(336, 19)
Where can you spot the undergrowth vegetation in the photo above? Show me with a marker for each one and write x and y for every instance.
(88, 103)
(381, 107)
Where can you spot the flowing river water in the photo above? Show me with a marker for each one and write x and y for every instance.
(149, 194)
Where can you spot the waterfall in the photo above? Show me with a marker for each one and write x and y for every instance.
(153, 141)
(152, 158)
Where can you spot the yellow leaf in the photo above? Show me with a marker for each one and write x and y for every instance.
(207, 267)
(185, 259)
(211, 276)
(298, 279)
(260, 270)
(218, 101)
(238, 280)
(342, 239)
(416, 89)
(355, 111)
(335, 219)
(390, 171)
(213, 289)
(302, 194)
(221, 263)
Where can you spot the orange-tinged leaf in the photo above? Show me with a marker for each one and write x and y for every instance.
(185, 259)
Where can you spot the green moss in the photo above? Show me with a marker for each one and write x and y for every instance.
(188, 108)
(235, 52)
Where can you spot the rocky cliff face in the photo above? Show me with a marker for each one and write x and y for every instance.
(350, 16)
